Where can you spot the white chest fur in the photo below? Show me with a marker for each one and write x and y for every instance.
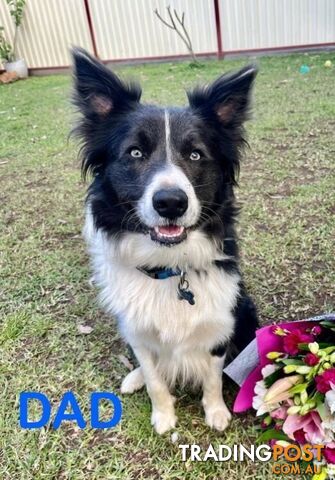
(148, 310)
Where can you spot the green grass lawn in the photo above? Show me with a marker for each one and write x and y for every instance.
(287, 239)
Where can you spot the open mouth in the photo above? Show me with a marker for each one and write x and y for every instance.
(168, 234)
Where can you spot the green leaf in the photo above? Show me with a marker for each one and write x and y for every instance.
(326, 323)
(321, 410)
(293, 361)
(323, 345)
(298, 388)
(304, 346)
(329, 349)
(271, 379)
(273, 434)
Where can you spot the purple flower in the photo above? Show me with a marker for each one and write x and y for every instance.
(311, 359)
(316, 330)
(325, 380)
(329, 454)
(300, 437)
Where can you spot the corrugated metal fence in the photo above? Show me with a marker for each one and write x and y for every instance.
(264, 24)
(129, 30)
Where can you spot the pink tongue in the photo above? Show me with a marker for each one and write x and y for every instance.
(170, 230)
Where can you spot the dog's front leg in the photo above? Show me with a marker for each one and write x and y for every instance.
(216, 411)
(163, 417)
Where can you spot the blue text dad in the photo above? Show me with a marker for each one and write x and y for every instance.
(68, 410)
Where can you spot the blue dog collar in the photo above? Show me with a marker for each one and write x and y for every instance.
(160, 273)
(163, 273)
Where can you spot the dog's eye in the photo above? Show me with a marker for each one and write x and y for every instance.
(136, 153)
(195, 155)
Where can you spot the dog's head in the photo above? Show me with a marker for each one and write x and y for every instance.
(159, 171)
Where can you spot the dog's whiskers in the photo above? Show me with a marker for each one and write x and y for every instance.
(213, 212)
(129, 215)
(203, 184)
(122, 203)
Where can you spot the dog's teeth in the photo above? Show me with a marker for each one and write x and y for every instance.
(170, 231)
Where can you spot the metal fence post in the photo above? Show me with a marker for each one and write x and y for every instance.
(220, 53)
(91, 28)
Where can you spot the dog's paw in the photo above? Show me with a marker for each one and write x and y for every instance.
(218, 417)
(163, 420)
(133, 381)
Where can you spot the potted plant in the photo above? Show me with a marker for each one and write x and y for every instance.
(8, 51)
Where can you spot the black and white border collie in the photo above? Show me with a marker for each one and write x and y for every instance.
(160, 226)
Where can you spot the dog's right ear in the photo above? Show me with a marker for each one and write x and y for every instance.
(99, 93)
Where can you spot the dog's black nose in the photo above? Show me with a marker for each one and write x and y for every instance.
(170, 203)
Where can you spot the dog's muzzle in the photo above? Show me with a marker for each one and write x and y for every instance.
(170, 204)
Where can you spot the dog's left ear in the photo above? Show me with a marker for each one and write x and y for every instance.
(227, 99)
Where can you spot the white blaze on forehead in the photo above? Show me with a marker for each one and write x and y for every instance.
(170, 176)
(168, 136)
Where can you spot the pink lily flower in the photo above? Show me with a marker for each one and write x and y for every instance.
(279, 391)
(280, 413)
(310, 424)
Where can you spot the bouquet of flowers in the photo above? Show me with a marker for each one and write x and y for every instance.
(292, 387)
